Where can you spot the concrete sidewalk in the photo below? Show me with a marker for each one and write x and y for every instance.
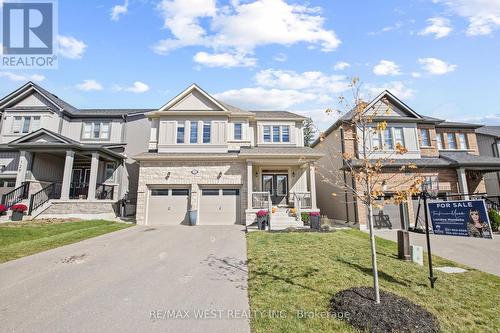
(482, 254)
(119, 281)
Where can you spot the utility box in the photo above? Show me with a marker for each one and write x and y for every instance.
(404, 245)
(417, 254)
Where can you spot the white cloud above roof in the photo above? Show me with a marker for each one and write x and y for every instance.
(438, 26)
(21, 77)
(483, 15)
(89, 85)
(224, 60)
(386, 67)
(434, 66)
(341, 65)
(70, 47)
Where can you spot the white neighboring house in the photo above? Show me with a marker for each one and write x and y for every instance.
(223, 164)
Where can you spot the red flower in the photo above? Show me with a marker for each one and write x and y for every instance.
(19, 208)
(262, 213)
(3, 208)
(314, 214)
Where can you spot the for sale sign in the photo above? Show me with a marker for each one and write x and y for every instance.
(467, 218)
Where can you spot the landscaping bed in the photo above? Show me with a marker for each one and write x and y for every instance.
(20, 239)
(293, 278)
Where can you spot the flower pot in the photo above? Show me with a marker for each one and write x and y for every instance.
(17, 216)
(314, 222)
(193, 217)
(261, 222)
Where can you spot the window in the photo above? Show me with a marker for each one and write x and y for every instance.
(180, 192)
(424, 135)
(439, 141)
(452, 143)
(25, 124)
(230, 192)
(285, 133)
(267, 133)
(398, 136)
(376, 140)
(96, 130)
(238, 131)
(463, 141)
(210, 192)
(159, 191)
(180, 133)
(109, 171)
(276, 134)
(388, 140)
(206, 132)
(193, 134)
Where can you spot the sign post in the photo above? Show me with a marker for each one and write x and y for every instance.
(432, 278)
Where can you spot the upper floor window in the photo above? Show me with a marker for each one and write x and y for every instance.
(388, 139)
(376, 140)
(180, 133)
(452, 142)
(193, 134)
(96, 130)
(399, 136)
(462, 139)
(276, 133)
(238, 131)
(25, 124)
(439, 141)
(206, 132)
(424, 135)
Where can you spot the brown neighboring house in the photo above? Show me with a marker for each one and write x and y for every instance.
(445, 152)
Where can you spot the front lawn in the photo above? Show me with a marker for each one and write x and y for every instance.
(292, 272)
(23, 239)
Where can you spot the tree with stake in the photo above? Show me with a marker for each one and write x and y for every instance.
(361, 172)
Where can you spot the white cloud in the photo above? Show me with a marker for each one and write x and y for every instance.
(483, 15)
(118, 10)
(239, 28)
(386, 67)
(438, 26)
(397, 88)
(436, 66)
(89, 85)
(489, 119)
(280, 57)
(224, 60)
(341, 65)
(394, 27)
(70, 47)
(416, 74)
(315, 81)
(19, 77)
(138, 88)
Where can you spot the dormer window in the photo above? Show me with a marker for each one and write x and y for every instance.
(276, 134)
(96, 131)
(23, 125)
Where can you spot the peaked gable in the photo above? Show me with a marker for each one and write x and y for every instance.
(193, 99)
(43, 135)
(388, 105)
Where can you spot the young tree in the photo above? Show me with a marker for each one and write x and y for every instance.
(366, 167)
(309, 131)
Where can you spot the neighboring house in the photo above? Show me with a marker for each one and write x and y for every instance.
(223, 164)
(488, 140)
(445, 153)
(77, 158)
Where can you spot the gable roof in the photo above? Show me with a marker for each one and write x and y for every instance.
(43, 131)
(186, 92)
(489, 130)
(277, 115)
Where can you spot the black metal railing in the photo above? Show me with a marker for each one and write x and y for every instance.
(16, 195)
(38, 199)
(490, 204)
(104, 191)
(78, 190)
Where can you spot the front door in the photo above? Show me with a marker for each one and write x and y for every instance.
(277, 185)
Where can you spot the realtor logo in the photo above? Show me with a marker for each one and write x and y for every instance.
(28, 34)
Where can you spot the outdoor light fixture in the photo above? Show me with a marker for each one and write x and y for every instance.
(167, 176)
(293, 174)
(219, 175)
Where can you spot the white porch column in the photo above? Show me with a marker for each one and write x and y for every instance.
(94, 165)
(312, 180)
(22, 168)
(153, 138)
(462, 182)
(249, 184)
(68, 170)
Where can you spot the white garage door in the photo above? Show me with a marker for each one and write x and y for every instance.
(220, 206)
(168, 206)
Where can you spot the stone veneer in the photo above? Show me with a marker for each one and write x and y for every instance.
(80, 207)
(183, 173)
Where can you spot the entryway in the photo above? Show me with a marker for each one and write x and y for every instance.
(277, 185)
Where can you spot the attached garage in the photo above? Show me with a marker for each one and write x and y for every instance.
(168, 206)
(219, 206)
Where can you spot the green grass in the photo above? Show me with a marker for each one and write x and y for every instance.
(302, 271)
(23, 239)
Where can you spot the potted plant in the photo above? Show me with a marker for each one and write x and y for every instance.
(262, 219)
(305, 218)
(3, 209)
(18, 212)
(314, 220)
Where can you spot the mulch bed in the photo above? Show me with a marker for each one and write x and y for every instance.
(393, 314)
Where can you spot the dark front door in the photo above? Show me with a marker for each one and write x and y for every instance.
(277, 185)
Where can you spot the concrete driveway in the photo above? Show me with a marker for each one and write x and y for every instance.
(141, 279)
(481, 254)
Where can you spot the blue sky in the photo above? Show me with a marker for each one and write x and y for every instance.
(439, 56)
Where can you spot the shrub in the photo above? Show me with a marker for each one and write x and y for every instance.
(494, 219)
(304, 217)
(262, 213)
(20, 208)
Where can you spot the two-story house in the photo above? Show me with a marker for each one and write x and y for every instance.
(445, 154)
(222, 164)
(61, 160)
(488, 140)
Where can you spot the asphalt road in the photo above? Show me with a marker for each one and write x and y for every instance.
(141, 279)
